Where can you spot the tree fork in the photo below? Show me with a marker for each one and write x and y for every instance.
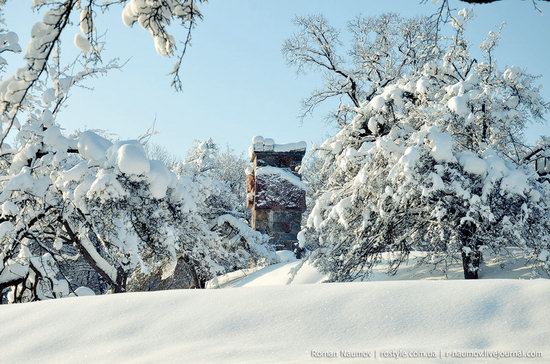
(118, 285)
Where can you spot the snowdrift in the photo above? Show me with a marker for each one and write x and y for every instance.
(282, 323)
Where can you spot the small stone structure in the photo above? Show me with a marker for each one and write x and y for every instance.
(275, 191)
(540, 158)
(542, 165)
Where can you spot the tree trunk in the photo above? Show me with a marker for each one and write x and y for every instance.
(470, 263)
(121, 278)
(471, 256)
(197, 282)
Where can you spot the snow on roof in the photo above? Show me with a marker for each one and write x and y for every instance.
(261, 144)
(283, 174)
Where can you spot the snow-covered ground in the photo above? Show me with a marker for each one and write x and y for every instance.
(292, 271)
(286, 323)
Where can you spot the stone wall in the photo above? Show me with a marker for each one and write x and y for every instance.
(276, 194)
(291, 160)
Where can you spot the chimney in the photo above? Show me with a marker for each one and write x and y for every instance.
(275, 192)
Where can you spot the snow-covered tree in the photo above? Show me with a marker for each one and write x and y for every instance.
(122, 212)
(221, 183)
(68, 199)
(222, 175)
(383, 48)
(434, 161)
(40, 214)
(218, 194)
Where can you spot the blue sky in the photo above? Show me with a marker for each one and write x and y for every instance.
(236, 83)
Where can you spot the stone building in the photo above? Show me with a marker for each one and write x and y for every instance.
(540, 158)
(275, 192)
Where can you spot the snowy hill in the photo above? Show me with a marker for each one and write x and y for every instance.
(283, 323)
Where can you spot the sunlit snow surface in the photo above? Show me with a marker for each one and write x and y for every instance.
(296, 272)
(280, 323)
